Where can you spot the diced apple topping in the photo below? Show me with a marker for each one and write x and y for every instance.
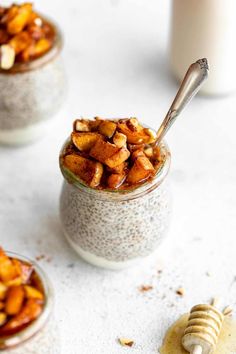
(107, 128)
(140, 171)
(111, 154)
(90, 171)
(21, 296)
(24, 35)
(85, 141)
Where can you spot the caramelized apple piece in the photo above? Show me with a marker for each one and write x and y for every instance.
(14, 300)
(18, 22)
(94, 124)
(141, 170)
(41, 47)
(24, 269)
(85, 141)
(2, 305)
(3, 318)
(33, 293)
(118, 169)
(3, 291)
(114, 181)
(7, 269)
(116, 159)
(10, 14)
(103, 150)
(133, 136)
(152, 135)
(30, 311)
(107, 128)
(136, 154)
(89, 171)
(148, 152)
(21, 41)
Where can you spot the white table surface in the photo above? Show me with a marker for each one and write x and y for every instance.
(117, 63)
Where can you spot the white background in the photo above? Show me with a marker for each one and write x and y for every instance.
(116, 55)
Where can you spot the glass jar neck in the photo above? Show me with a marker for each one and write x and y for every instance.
(121, 194)
(37, 325)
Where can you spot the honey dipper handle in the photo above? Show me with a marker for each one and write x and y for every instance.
(197, 349)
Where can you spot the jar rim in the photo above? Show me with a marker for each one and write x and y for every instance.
(120, 194)
(37, 63)
(32, 329)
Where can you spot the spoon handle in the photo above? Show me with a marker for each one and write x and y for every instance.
(191, 84)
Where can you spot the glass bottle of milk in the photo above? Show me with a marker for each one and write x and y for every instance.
(205, 28)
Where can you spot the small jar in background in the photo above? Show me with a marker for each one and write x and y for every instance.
(42, 335)
(205, 29)
(31, 93)
(116, 229)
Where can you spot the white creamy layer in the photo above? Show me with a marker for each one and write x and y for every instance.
(103, 262)
(24, 135)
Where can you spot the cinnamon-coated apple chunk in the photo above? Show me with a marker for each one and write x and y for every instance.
(107, 128)
(141, 170)
(89, 171)
(85, 141)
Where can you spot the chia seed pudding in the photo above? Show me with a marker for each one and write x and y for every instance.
(116, 228)
(30, 94)
(40, 336)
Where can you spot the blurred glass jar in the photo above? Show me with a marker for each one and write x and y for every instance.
(30, 94)
(205, 29)
(42, 335)
(116, 229)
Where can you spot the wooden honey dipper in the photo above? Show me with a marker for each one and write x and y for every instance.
(203, 329)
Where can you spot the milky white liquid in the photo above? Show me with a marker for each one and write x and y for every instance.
(205, 29)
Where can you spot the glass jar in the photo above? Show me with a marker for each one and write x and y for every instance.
(114, 229)
(30, 94)
(42, 335)
(205, 29)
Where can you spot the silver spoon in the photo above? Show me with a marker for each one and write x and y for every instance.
(191, 84)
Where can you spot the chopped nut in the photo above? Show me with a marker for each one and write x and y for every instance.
(148, 152)
(7, 56)
(152, 135)
(145, 288)
(133, 124)
(228, 311)
(180, 291)
(126, 342)
(81, 126)
(119, 139)
(38, 21)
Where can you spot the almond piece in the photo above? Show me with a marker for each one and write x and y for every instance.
(126, 342)
(119, 139)
(7, 56)
(81, 125)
